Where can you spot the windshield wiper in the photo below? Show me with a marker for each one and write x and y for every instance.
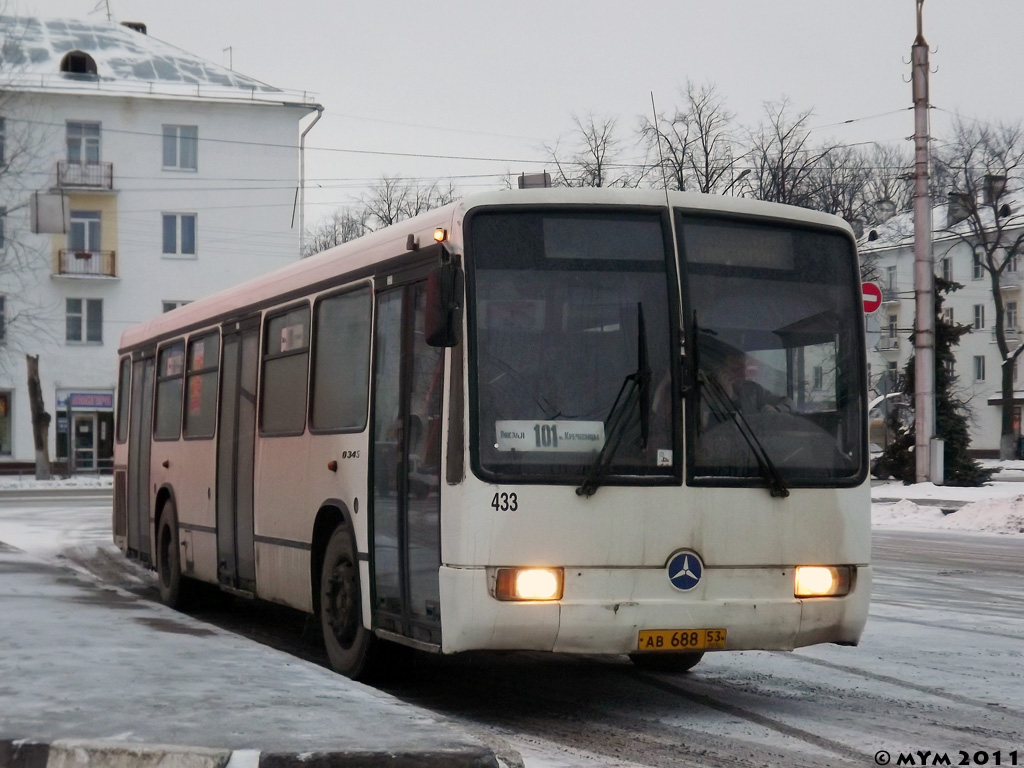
(635, 390)
(723, 407)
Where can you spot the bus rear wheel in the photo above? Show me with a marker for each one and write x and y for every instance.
(347, 641)
(666, 662)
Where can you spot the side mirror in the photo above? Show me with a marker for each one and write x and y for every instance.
(444, 293)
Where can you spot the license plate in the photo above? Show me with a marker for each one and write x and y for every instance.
(681, 639)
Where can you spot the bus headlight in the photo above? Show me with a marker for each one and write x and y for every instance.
(822, 580)
(528, 584)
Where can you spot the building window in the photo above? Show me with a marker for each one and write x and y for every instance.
(179, 234)
(892, 374)
(893, 329)
(979, 269)
(1010, 316)
(947, 269)
(78, 63)
(947, 315)
(979, 367)
(5, 423)
(890, 278)
(181, 147)
(1011, 263)
(979, 316)
(167, 306)
(84, 320)
(818, 378)
(83, 143)
(3, 319)
(84, 234)
(950, 368)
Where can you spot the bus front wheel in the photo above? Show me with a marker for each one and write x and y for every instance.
(666, 662)
(174, 588)
(347, 641)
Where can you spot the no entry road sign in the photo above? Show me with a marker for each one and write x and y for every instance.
(872, 297)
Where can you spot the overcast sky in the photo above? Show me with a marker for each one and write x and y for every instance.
(500, 80)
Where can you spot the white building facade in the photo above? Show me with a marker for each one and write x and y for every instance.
(889, 248)
(151, 178)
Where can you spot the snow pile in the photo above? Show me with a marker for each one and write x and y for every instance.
(989, 516)
(28, 482)
(992, 515)
(905, 514)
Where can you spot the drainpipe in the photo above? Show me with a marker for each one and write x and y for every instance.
(302, 181)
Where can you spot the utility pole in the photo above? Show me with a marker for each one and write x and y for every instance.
(924, 272)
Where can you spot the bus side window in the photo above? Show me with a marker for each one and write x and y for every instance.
(341, 362)
(285, 366)
(170, 375)
(124, 380)
(201, 386)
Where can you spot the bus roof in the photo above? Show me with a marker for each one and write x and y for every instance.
(359, 256)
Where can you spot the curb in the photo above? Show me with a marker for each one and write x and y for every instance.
(98, 754)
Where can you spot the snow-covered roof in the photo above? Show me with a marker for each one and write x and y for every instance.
(898, 231)
(128, 62)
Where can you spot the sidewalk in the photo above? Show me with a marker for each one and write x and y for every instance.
(94, 676)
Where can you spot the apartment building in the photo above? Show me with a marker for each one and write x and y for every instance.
(137, 177)
(889, 249)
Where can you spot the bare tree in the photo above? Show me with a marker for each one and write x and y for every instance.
(387, 203)
(783, 160)
(695, 147)
(344, 225)
(837, 184)
(594, 158)
(394, 199)
(889, 188)
(982, 163)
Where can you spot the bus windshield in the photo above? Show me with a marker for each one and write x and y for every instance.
(570, 326)
(777, 379)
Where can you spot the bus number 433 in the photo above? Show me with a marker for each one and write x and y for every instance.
(505, 502)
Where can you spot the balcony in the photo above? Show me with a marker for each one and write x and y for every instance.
(86, 263)
(1009, 281)
(888, 343)
(85, 175)
(890, 295)
(1012, 334)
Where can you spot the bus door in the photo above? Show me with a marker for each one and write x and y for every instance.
(405, 467)
(236, 435)
(140, 443)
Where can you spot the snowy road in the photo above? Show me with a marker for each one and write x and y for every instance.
(940, 669)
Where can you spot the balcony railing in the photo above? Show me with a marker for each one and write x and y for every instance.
(1009, 280)
(1012, 334)
(89, 175)
(87, 263)
(890, 295)
(887, 343)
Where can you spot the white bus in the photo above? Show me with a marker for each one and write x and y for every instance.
(578, 421)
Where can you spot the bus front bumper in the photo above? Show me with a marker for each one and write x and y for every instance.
(603, 610)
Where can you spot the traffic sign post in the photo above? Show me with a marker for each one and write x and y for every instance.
(872, 297)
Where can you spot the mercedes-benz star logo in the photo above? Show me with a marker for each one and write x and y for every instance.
(685, 570)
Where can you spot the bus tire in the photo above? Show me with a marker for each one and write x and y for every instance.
(348, 642)
(666, 662)
(174, 588)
